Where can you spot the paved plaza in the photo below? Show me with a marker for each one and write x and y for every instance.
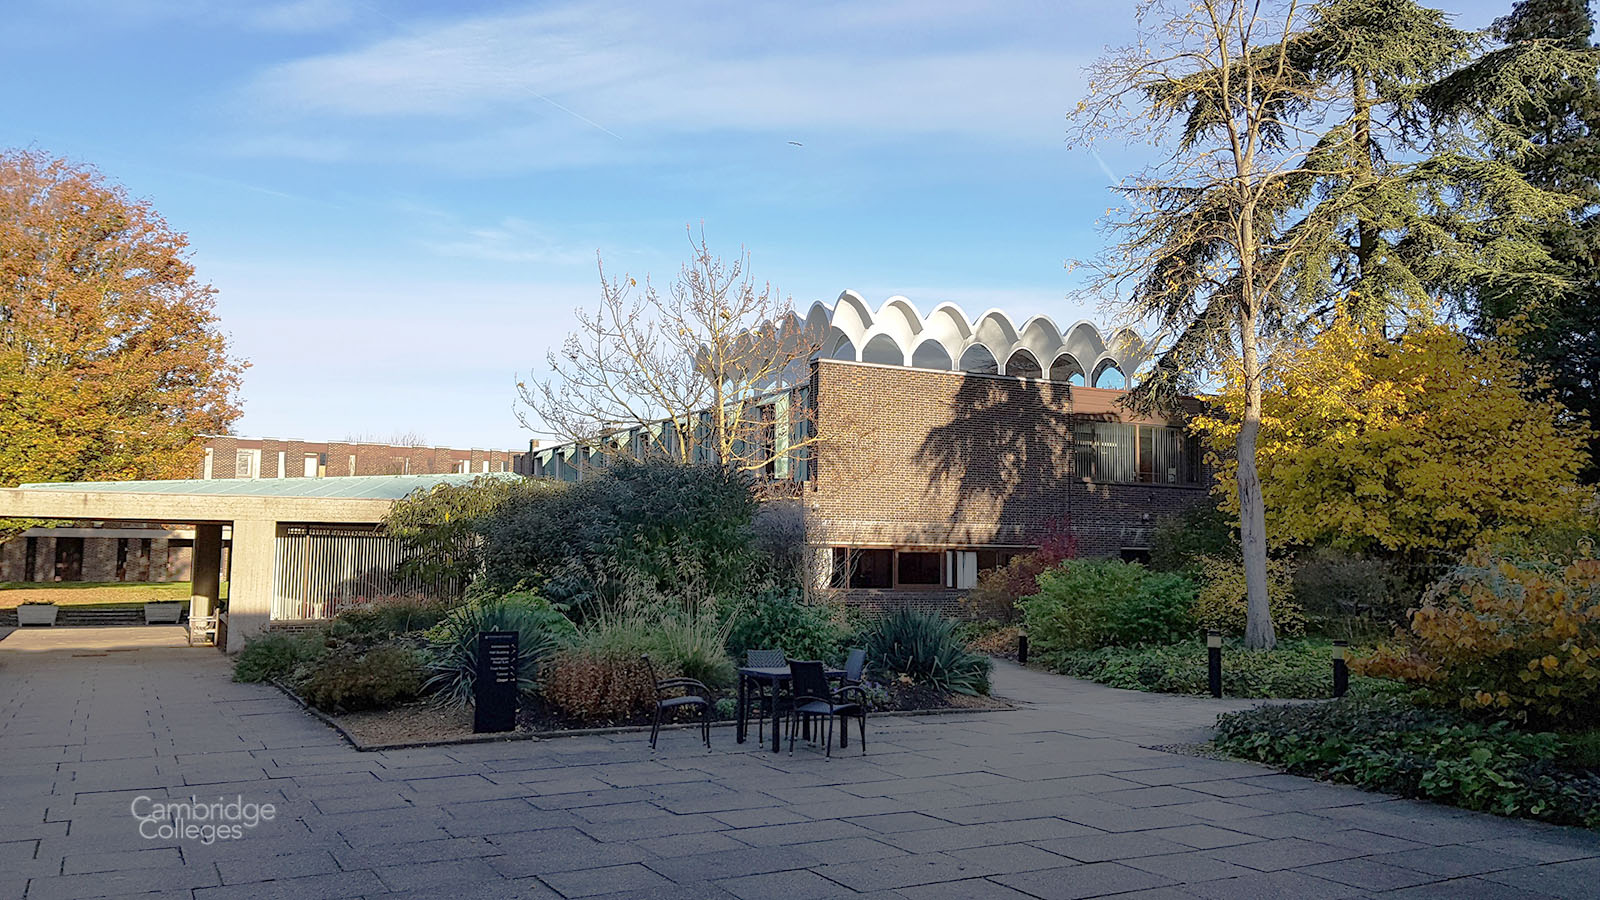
(1061, 798)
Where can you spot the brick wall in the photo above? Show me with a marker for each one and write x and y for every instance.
(99, 559)
(13, 559)
(915, 459)
(370, 459)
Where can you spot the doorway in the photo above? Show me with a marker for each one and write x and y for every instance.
(69, 559)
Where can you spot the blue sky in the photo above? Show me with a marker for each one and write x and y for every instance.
(400, 203)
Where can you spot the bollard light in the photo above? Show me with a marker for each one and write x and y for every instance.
(1214, 661)
(1022, 649)
(1341, 670)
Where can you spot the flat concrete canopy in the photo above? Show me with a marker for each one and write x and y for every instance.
(256, 509)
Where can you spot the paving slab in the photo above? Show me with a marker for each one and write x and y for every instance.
(1063, 797)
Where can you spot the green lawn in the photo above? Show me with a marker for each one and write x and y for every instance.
(94, 593)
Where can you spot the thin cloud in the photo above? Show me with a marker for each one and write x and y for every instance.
(512, 240)
(301, 15)
(653, 75)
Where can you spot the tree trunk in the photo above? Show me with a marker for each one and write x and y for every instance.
(1367, 233)
(1258, 632)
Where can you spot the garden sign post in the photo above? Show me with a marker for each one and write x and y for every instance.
(494, 692)
(1214, 662)
(1341, 669)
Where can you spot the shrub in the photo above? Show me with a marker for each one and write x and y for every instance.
(680, 645)
(453, 643)
(1096, 603)
(1517, 639)
(925, 649)
(1329, 582)
(1294, 670)
(1382, 743)
(592, 685)
(377, 679)
(992, 638)
(275, 654)
(1220, 602)
(384, 617)
(1179, 542)
(778, 539)
(441, 527)
(781, 620)
(660, 523)
(997, 592)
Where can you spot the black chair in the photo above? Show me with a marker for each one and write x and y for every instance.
(854, 666)
(808, 682)
(756, 695)
(695, 694)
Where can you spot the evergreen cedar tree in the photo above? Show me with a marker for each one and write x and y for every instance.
(1347, 157)
(111, 362)
(1553, 137)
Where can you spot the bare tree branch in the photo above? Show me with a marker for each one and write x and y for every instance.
(701, 373)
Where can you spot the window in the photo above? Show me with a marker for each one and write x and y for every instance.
(69, 559)
(1116, 453)
(461, 466)
(995, 559)
(862, 568)
(918, 567)
(206, 472)
(1136, 555)
(960, 568)
(308, 467)
(247, 464)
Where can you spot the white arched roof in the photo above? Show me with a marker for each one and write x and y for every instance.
(850, 321)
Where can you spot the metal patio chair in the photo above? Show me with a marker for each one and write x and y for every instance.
(855, 666)
(813, 697)
(757, 697)
(694, 695)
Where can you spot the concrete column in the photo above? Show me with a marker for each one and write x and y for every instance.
(205, 570)
(253, 555)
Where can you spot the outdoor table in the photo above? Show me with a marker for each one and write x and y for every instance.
(775, 677)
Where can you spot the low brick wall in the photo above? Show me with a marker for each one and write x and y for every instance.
(875, 603)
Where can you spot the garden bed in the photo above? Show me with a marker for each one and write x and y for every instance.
(423, 723)
(1383, 743)
(1296, 669)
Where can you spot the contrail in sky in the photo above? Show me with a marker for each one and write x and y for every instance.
(1115, 180)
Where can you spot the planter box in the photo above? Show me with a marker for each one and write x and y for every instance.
(36, 614)
(163, 613)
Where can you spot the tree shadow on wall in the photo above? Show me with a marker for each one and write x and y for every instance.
(1008, 452)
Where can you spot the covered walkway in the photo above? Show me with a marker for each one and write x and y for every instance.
(259, 512)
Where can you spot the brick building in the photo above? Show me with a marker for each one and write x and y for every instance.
(945, 446)
(111, 551)
(227, 456)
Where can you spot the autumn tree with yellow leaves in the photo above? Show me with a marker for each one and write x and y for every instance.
(111, 361)
(1426, 442)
